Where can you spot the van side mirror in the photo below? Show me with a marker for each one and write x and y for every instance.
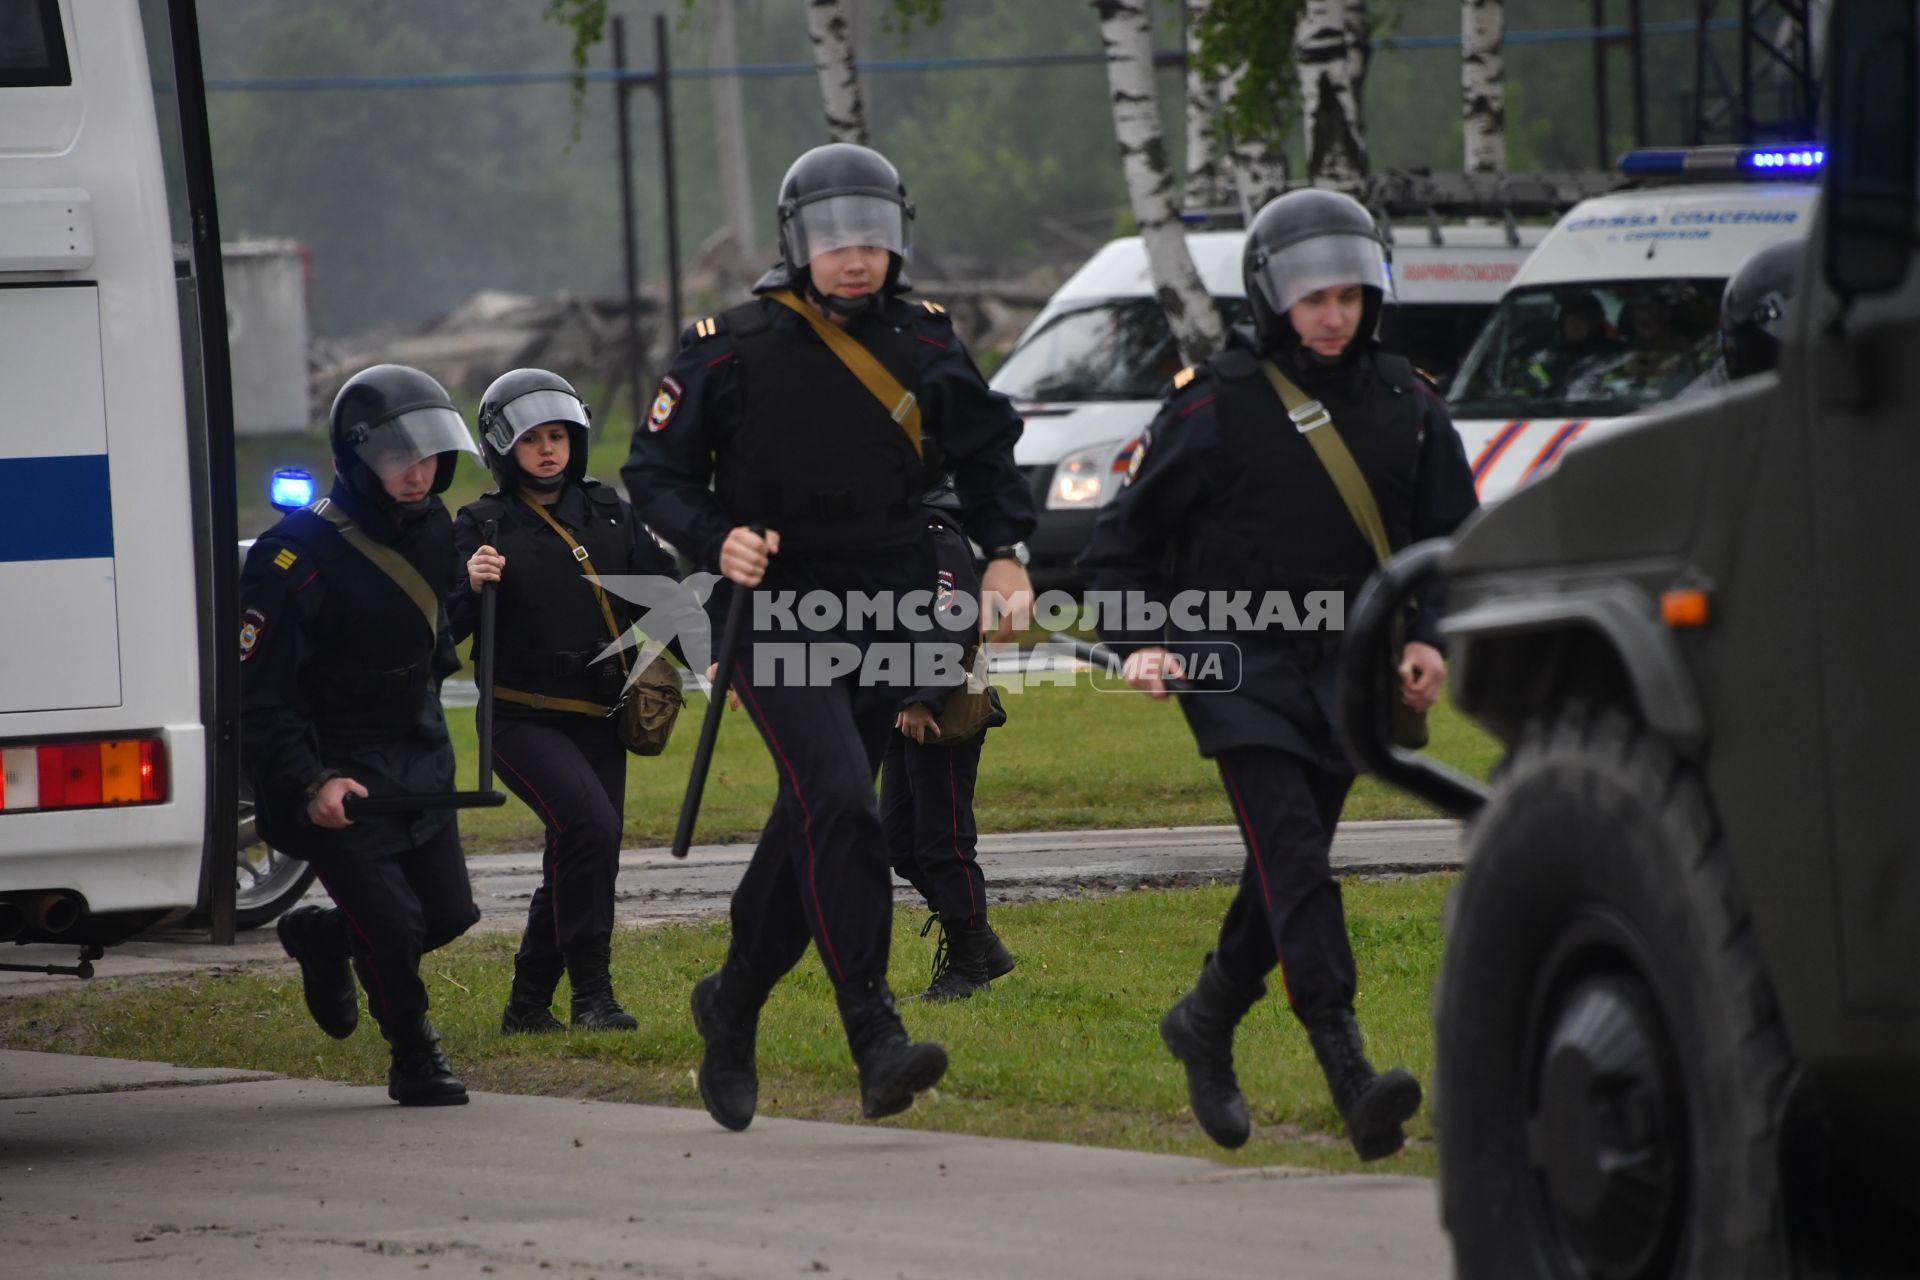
(1872, 195)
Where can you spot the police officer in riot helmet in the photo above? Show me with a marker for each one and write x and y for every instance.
(343, 646)
(821, 411)
(1753, 309)
(1228, 498)
(556, 742)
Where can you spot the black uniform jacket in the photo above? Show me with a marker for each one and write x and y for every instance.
(1226, 496)
(339, 672)
(808, 423)
(548, 627)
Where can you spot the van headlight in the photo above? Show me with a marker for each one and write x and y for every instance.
(1088, 478)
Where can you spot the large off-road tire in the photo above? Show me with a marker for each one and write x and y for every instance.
(1611, 1075)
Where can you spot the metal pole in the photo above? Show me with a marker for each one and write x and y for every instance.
(663, 86)
(1602, 160)
(629, 254)
(1637, 42)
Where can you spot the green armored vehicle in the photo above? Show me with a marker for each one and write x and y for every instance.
(1678, 1017)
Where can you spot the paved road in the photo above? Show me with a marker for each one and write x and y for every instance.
(654, 887)
(117, 1168)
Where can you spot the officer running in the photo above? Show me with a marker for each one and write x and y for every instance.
(1227, 495)
(821, 411)
(555, 740)
(343, 644)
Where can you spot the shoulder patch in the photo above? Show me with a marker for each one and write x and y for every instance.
(1139, 455)
(665, 403)
(252, 623)
(706, 328)
(285, 559)
(1182, 378)
(934, 307)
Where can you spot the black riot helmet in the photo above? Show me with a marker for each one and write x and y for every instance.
(515, 404)
(1753, 310)
(389, 418)
(1305, 241)
(838, 196)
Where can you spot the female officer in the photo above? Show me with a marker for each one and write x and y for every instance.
(1228, 497)
(555, 741)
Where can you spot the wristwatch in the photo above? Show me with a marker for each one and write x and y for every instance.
(1014, 551)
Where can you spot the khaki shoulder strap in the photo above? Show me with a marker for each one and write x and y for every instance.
(385, 559)
(587, 570)
(864, 365)
(1316, 424)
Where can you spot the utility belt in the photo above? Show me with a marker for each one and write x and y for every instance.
(551, 702)
(574, 677)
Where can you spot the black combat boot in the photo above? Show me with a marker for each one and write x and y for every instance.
(965, 960)
(530, 1003)
(1374, 1106)
(317, 938)
(419, 1075)
(726, 1013)
(594, 1008)
(1199, 1031)
(892, 1067)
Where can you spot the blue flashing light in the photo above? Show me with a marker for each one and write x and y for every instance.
(291, 489)
(1801, 159)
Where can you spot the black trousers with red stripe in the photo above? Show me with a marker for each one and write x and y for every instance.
(926, 808)
(396, 908)
(571, 771)
(819, 872)
(1288, 910)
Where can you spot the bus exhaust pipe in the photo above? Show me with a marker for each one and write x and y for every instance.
(12, 921)
(53, 913)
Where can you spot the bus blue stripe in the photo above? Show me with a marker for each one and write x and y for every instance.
(55, 508)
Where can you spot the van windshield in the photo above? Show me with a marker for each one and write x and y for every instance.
(33, 52)
(1591, 349)
(1116, 350)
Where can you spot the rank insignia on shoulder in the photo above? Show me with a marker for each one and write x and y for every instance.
(664, 405)
(284, 561)
(706, 328)
(1428, 378)
(251, 625)
(934, 307)
(1185, 376)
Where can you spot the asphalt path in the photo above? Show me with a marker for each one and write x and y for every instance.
(112, 1168)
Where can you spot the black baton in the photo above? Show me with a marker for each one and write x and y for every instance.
(716, 706)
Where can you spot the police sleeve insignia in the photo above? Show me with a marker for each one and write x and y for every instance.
(251, 625)
(664, 405)
(1139, 456)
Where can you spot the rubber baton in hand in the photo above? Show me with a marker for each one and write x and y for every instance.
(1098, 655)
(716, 706)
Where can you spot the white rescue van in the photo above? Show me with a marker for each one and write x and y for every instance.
(1618, 310)
(1089, 373)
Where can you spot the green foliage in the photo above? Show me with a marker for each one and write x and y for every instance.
(587, 21)
(1256, 35)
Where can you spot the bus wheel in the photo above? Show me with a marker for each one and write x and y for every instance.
(268, 881)
(1611, 1072)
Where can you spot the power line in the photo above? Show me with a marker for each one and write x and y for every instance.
(876, 66)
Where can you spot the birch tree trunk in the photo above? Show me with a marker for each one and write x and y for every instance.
(1330, 54)
(1207, 186)
(1126, 31)
(729, 127)
(839, 80)
(1483, 85)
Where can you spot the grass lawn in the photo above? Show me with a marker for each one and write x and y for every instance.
(1064, 1049)
(1068, 757)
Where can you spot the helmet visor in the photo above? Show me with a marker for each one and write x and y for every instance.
(535, 409)
(1291, 272)
(856, 220)
(410, 438)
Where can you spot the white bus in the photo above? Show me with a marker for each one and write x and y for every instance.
(118, 657)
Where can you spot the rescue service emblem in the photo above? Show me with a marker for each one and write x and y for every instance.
(251, 625)
(663, 405)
